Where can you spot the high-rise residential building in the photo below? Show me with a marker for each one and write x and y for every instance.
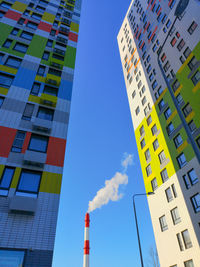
(38, 42)
(159, 43)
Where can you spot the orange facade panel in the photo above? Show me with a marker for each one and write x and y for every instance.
(56, 151)
(7, 136)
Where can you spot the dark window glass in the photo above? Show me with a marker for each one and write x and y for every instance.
(198, 141)
(170, 128)
(14, 31)
(13, 62)
(186, 239)
(164, 175)
(1, 14)
(154, 129)
(155, 144)
(161, 104)
(6, 80)
(41, 70)
(148, 170)
(40, 9)
(175, 216)
(58, 57)
(178, 140)
(167, 113)
(45, 113)
(20, 47)
(196, 202)
(38, 143)
(154, 184)
(35, 89)
(181, 160)
(175, 85)
(36, 16)
(196, 78)
(180, 45)
(5, 5)
(1, 101)
(18, 142)
(26, 12)
(188, 263)
(6, 180)
(163, 223)
(53, 32)
(50, 90)
(31, 25)
(49, 43)
(55, 72)
(45, 55)
(192, 126)
(21, 21)
(192, 27)
(192, 63)
(179, 98)
(169, 195)
(142, 143)
(29, 182)
(7, 43)
(27, 35)
(187, 52)
(187, 109)
(28, 111)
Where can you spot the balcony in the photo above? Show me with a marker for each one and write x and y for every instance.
(35, 158)
(42, 125)
(22, 204)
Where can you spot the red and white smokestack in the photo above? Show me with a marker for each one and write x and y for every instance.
(86, 241)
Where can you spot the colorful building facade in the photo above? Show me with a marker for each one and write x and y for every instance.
(160, 55)
(38, 42)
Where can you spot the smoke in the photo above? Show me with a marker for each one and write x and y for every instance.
(111, 189)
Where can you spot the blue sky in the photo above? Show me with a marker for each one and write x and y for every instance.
(100, 131)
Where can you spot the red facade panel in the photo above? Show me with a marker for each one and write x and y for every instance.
(56, 151)
(73, 37)
(13, 15)
(44, 26)
(7, 136)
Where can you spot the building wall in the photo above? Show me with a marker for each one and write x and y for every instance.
(145, 27)
(28, 219)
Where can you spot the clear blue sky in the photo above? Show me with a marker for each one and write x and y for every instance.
(100, 131)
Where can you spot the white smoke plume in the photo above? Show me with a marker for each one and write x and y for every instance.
(111, 189)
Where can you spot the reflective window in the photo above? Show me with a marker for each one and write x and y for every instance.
(45, 113)
(27, 35)
(20, 47)
(196, 202)
(5, 180)
(192, 27)
(32, 25)
(178, 140)
(163, 223)
(164, 175)
(28, 111)
(148, 170)
(175, 216)
(29, 182)
(169, 195)
(7, 43)
(11, 258)
(196, 78)
(188, 263)
(38, 143)
(6, 80)
(35, 89)
(5, 5)
(186, 239)
(45, 55)
(155, 144)
(1, 100)
(14, 31)
(154, 184)
(36, 16)
(50, 90)
(41, 70)
(13, 62)
(181, 160)
(18, 142)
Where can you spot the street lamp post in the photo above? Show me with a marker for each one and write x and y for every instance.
(136, 223)
(178, 12)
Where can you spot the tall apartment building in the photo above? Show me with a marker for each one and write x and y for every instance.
(38, 41)
(164, 101)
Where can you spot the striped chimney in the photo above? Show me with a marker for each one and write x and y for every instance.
(86, 241)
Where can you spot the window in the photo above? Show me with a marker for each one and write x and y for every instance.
(137, 110)
(40, 9)
(142, 143)
(190, 179)
(144, 100)
(55, 23)
(38, 143)
(151, 77)
(50, 90)
(154, 184)
(163, 57)
(53, 32)
(155, 145)
(173, 41)
(175, 216)
(18, 142)
(35, 89)
(169, 195)
(187, 109)
(178, 140)
(6, 80)
(192, 126)
(186, 239)
(164, 175)
(175, 85)
(1, 14)
(187, 52)
(36, 16)
(181, 45)
(147, 154)
(5, 180)
(161, 104)
(55, 72)
(49, 43)
(174, 190)
(188, 263)
(13, 62)
(179, 98)
(5, 5)
(180, 242)
(27, 35)
(142, 130)
(41, 70)
(31, 5)
(163, 223)
(29, 183)
(170, 128)
(28, 111)
(192, 62)
(154, 129)
(7, 43)
(149, 120)
(20, 47)
(14, 31)
(192, 27)
(161, 156)
(21, 21)
(32, 25)
(167, 113)
(45, 55)
(182, 60)
(45, 114)
(196, 78)
(133, 94)
(26, 12)
(198, 141)
(181, 160)
(196, 202)
(169, 21)
(148, 170)
(166, 66)
(1, 101)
